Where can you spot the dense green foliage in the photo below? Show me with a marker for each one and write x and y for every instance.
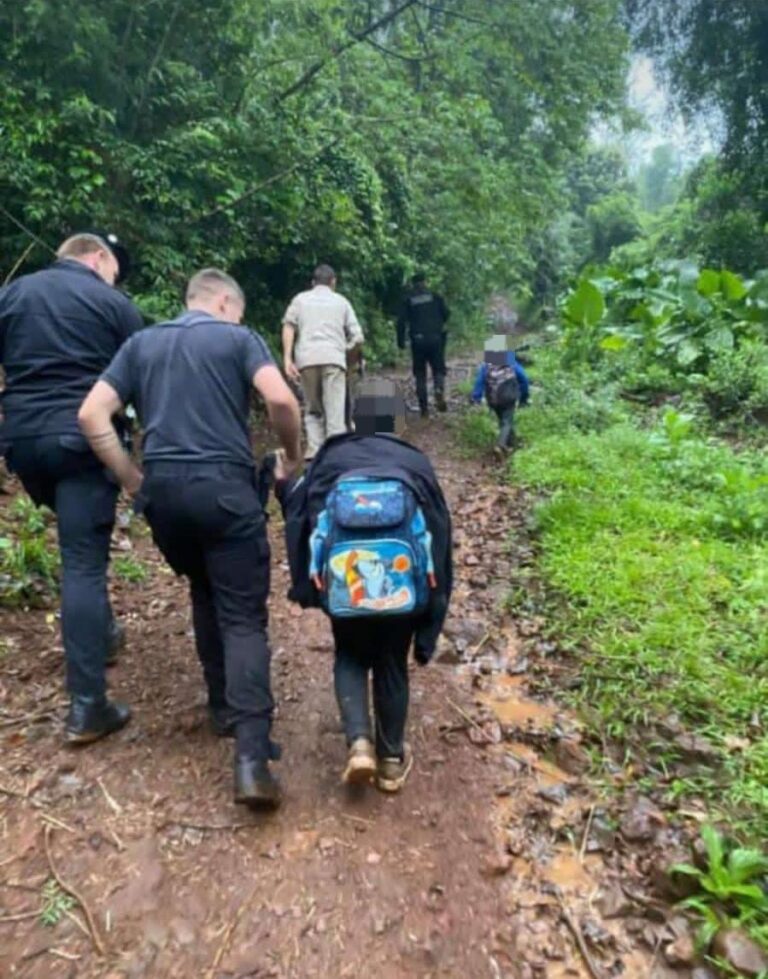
(265, 135)
(671, 328)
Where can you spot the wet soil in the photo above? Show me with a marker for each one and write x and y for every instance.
(487, 864)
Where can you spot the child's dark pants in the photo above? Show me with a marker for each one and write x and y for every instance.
(506, 416)
(382, 647)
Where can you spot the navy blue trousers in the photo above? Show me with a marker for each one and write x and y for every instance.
(60, 472)
(209, 524)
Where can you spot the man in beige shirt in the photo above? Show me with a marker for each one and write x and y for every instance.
(320, 335)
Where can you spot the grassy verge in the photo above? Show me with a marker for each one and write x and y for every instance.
(654, 548)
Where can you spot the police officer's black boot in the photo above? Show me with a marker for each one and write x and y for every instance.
(255, 785)
(440, 400)
(222, 720)
(90, 719)
(115, 641)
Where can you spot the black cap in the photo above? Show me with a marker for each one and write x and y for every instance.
(118, 250)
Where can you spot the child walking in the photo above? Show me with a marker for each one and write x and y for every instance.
(504, 384)
(368, 535)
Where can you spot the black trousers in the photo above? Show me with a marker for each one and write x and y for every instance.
(208, 522)
(428, 351)
(60, 472)
(381, 648)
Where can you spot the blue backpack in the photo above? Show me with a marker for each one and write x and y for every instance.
(371, 551)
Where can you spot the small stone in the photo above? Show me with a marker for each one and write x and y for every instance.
(155, 932)
(740, 952)
(571, 756)
(373, 858)
(613, 902)
(639, 824)
(681, 952)
(447, 654)
(695, 748)
(556, 794)
(667, 882)
(497, 864)
(183, 931)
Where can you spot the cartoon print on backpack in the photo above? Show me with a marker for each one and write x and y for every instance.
(371, 552)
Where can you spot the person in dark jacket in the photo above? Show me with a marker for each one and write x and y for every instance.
(424, 315)
(371, 645)
(191, 380)
(59, 328)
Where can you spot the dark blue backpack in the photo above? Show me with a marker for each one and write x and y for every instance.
(371, 551)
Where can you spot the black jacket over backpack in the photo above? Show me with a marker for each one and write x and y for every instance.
(378, 456)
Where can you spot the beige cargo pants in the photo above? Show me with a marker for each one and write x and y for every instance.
(325, 391)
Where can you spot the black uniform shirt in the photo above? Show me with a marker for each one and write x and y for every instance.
(425, 314)
(59, 328)
(190, 380)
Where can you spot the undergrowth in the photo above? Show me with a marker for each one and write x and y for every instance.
(654, 545)
(29, 560)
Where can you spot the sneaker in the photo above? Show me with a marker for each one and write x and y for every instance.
(361, 762)
(391, 773)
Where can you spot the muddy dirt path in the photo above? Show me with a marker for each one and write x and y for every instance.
(487, 865)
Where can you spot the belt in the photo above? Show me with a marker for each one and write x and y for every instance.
(185, 470)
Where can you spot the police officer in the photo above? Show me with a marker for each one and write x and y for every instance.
(424, 315)
(59, 329)
(190, 380)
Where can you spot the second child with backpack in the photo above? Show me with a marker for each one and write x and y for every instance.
(504, 385)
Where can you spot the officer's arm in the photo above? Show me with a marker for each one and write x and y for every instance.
(445, 312)
(402, 325)
(95, 417)
(283, 410)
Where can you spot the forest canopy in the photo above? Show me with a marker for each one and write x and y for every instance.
(265, 135)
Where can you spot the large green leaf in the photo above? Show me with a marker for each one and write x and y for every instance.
(708, 282)
(614, 342)
(687, 352)
(720, 339)
(586, 305)
(733, 286)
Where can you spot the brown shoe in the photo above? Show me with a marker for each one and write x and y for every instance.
(361, 763)
(391, 773)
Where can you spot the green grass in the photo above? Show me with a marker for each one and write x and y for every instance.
(130, 569)
(654, 548)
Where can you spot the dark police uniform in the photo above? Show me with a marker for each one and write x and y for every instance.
(59, 329)
(190, 380)
(424, 315)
